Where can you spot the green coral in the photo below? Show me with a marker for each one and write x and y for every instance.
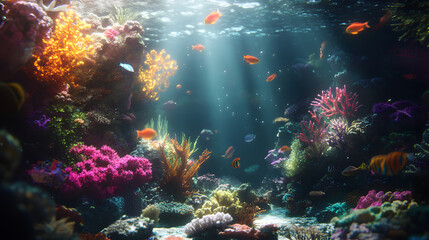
(174, 213)
(221, 201)
(411, 18)
(297, 161)
(371, 215)
(66, 131)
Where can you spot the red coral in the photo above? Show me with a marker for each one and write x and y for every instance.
(343, 103)
(313, 132)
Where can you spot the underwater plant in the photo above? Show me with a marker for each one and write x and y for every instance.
(161, 127)
(122, 15)
(65, 51)
(178, 168)
(154, 79)
(410, 18)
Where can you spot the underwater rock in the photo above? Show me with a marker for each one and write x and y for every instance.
(130, 229)
(333, 210)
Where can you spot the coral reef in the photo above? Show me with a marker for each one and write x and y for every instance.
(411, 20)
(207, 182)
(10, 155)
(102, 173)
(65, 51)
(333, 210)
(178, 168)
(401, 112)
(152, 212)
(154, 79)
(297, 160)
(241, 231)
(208, 223)
(337, 132)
(422, 150)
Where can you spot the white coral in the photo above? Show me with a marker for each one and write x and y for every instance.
(198, 225)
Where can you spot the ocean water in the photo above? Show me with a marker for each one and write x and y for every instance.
(342, 125)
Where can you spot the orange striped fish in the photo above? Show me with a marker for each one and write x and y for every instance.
(390, 164)
(236, 163)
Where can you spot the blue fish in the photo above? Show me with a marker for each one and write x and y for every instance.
(127, 67)
(249, 137)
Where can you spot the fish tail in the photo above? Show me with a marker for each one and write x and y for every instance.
(366, 25)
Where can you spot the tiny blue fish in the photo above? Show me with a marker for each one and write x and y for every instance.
(127, 67)
(249, 137)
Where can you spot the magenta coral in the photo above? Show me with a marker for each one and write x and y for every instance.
(313, 132)
(342, 103)
(374, 198)
(102, 173)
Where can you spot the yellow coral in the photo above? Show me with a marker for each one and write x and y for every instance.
(221, 201)
(155, 78)
(64, 51)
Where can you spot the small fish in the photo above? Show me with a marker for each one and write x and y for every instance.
(236, 163)
(383, 20)
(271, 77)
(352, 170)
(189, 92)
(198, 47)
(316, 194)
(322, 47)
(212, 17)
(249, 137)
(127, 67)
(229, 152)
(355, 28)
(285, 148)
(250, 59)
(147, 133)
(280, 119)
(178, 86)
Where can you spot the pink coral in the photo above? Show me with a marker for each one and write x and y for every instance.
(102, 173)
(313, 132)
(374, 198)
(342, 103)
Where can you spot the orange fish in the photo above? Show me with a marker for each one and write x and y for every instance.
(271, 78)
(250, 59)
(285, 148)
(212, 17)
(322, 47)
(236, 163)
(147, 133)
(383, 20)
(189, 92)
(178, 86)
(229, 152)
(390, 164)
(355, 28)
(198, 47)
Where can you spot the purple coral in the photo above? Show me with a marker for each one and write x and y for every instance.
(337, 132)
(102, 173)
(25, 28)
(403, 112)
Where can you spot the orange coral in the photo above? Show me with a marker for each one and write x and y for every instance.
(64, 51)
(155, 78)
(178, 168)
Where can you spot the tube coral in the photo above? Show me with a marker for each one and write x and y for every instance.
(155, 78)
(64, 51)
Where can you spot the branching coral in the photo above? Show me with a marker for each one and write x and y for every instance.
(155, 77)
(411, 19)
(178, 168)
(65, 51)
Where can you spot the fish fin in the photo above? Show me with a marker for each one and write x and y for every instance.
(220, 14)
(366, 25)
(363, 166)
